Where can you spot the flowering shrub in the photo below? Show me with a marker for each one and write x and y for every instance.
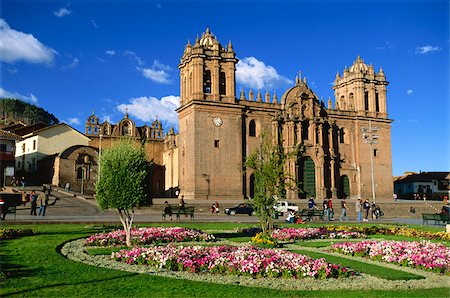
(14, 233)
(244, 260)
(408, 232)
(293, 234)
(424, 254)
(265, 241)
(145, 236)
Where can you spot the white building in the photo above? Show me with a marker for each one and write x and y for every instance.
(46, 142)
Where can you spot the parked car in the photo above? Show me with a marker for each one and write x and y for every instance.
(285, 206)
(241, 209)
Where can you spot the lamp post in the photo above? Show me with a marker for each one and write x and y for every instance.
(208, 181)
(371, 138)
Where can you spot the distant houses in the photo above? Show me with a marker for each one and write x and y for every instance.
(434, 185)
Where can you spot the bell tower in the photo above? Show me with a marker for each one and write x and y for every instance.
(207, 71)
(361, 90)
(210, 122)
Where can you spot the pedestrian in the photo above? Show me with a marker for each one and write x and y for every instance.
(325, 209)
(344, 210)
(358, 210)
(395, 198)
(42, 202)
(167, 210)
(373, 208)
(49, 189)
(67, 187)
(182, 206)
(330, 209)
(366, 207)
(24, 198)
(311, 203)
(34, 199)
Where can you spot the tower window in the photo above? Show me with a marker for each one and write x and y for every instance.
(34, 144)
(366, 100)
(341, 136)
(207, 82)
(216, 143)
(377, 102)
(252, 128)
(305, 130)
(375, 152)
(222, 84)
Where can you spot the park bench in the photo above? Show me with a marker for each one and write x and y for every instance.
(309, 214)
(179, 211)
(437, 218)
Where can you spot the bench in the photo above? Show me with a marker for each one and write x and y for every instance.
(178, 211)
(309, 214)
(437, 218)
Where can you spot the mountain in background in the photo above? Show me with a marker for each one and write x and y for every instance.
(13, 110)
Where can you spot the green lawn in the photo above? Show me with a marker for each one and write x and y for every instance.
(32, 266)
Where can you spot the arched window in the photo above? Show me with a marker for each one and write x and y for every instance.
(350, 101)
(126, 129)
(80, 173)
(252, 128)
(344, 187)
(222, 84)
(366, 100)
(342, 104)
(306, 177)
(377, 102)
(89, 130)
(207, 81)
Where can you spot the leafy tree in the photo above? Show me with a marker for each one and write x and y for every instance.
(271, 179)
(18, 110)
(122, 183)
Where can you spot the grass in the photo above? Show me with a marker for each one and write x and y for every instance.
(375, 270)
(32, 266)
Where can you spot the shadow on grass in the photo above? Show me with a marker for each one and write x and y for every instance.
(230, 235)
(10, 270)
(69, 284)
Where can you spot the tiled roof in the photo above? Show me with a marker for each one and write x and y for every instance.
(9, 135)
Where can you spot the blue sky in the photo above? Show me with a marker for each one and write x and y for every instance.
(73, 57)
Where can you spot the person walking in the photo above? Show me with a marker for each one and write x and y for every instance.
(330, 209)
(43, 202)
(344, 211)
(24, 198)
(366, 207)
(182, 206)
(34, 198)
(167, 210)
(358, 210)
(325, 209)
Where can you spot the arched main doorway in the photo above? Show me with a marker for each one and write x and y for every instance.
(306, 177)
(344, 187)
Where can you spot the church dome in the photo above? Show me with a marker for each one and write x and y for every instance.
(359, 66)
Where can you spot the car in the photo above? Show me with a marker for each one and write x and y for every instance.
(285, 206)
(241, 209)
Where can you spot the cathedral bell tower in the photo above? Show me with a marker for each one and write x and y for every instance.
(207, 71)
(210, 122)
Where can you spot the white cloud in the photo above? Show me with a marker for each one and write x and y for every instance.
(110, 52)
(6, 94)
(386, 46)
(62, 12)
(13, 70)
(148, 108)
(74, 121)
(254, 73)
(427, 49)
(158, 73)
(71, 65)
(16, 45)
(409, 91)
(106, 118)
(159, 6)
(133, 56)
(94, 23)
(158, 65)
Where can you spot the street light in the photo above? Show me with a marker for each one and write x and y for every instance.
(371, 138)
(208, 181)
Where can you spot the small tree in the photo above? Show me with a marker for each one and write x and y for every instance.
(271, 180)
(122, 183)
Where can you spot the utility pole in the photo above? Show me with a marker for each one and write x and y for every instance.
(371, 138)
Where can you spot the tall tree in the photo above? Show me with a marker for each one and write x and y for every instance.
(122, 183)
(271, 180)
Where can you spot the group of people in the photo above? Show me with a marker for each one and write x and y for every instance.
(40, 200)
(363, 209)
(18, 182)
(168, 208)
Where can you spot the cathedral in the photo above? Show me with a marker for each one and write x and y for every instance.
(347, 141)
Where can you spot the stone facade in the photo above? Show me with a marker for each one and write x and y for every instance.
(104, 135)
(217, 130)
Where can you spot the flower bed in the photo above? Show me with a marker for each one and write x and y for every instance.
(408, 232)
(145, 236)
(244, 260)
(15, 233)
(424, 255)
(293, 234)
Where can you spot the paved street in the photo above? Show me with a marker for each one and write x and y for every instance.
(75, 208)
